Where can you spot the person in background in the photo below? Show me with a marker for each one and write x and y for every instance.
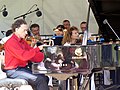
(7, 36)
(35, 29)
(35, 35)
(83, 27)
(17, 55)
(72, 37)
(2, 53)
(59, 30)
(2, 42)
(66, 24)
(58, 36)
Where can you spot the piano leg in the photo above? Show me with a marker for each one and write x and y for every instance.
(68, 84)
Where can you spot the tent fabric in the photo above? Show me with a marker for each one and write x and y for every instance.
(53, 13)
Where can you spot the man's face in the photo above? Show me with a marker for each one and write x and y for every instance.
(83, 27)
(22, 31)
(66, 25)
(35, 31)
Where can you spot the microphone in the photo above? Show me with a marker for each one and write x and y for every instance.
(4, 12)
(32, 7)
(106, 22)
(38, 13)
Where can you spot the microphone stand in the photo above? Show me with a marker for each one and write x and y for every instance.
(117, 58)
(106, 22)
(24, 15)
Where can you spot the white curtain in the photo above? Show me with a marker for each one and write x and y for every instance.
(53, 13)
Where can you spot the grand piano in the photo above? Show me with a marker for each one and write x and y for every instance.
(107, 15)
(84, 58)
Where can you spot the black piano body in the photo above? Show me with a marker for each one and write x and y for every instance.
(107, 10)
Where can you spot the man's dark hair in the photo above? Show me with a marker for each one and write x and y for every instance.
(83, 22)
(66, 21)
(33, 26)
(17, 24)
(60, 26)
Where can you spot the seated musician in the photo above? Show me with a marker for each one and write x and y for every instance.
(35, 35)
(17, 55)
(72, 37)
(83, 29)
(59, 30)
(58, 36)
(5, 81)
(35, 29)
(66, 23)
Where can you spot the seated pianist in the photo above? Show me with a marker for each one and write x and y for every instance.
(17, 55)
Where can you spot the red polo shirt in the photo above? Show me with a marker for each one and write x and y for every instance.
(18, 53)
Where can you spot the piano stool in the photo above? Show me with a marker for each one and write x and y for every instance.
(13, 84)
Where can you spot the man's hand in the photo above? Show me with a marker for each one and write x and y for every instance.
(40, 47)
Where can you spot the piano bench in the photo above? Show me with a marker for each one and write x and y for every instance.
(11, 84)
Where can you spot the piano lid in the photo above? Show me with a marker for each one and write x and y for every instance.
(109, 10)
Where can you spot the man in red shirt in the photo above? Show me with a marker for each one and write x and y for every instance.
(17, 55)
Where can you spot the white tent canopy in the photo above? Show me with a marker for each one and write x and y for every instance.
(53, 13)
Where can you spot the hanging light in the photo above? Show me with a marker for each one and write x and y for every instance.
(4, 11)
(38, 13)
